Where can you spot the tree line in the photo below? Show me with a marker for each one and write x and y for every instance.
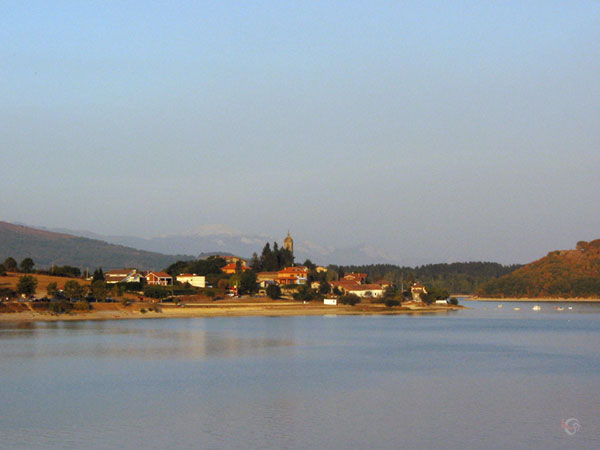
(457, 278)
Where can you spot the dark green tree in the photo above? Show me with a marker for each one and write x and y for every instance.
(98, 275)
(27, 265)
(99, 289)
(274, 291)
(248, 283)
(52, 289)
(324, 288)
(2, 270)
(27, 285)
(73, 290)
(11, 264)
(308, 263)
(255, 263)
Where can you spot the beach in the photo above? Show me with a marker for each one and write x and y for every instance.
(249, 306)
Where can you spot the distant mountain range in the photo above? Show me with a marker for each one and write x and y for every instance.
(61, 246)
(220, 239)
(560, 274)
(48, 248)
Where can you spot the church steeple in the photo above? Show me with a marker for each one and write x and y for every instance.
(288, 243)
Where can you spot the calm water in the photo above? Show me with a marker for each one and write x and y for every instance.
(483, 378)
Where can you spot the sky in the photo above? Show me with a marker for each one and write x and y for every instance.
(435, 131)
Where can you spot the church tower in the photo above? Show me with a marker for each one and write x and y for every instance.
(288, 243)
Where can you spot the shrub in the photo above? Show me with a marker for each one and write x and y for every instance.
(82, 305)
(273, 291)
(60, 307)
(454, 301)
(349, 299)
(391, 302)
(143, 310)
(7, 293)
(157, 291)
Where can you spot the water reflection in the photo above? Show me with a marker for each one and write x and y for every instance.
(109, 340)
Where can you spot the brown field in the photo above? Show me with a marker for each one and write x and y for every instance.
(11, 280)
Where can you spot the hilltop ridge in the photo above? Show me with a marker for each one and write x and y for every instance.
(47, 248)
(559, 274)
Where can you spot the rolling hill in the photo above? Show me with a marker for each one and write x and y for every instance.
(560, 274)
(47, 248)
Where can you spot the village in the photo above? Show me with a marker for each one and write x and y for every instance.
(219, 284)
(288, 282)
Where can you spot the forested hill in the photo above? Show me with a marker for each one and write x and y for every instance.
(562, 274)
(457, 278)
(47, 248)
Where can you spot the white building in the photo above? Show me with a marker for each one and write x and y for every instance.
(193, 279)
(365, 290)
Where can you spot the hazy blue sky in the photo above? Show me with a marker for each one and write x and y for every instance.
(439, 131)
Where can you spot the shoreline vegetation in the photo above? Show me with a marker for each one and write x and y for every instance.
(249, 306)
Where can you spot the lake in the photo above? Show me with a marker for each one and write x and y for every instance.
(487, 377)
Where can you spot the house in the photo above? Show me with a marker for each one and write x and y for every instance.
(417, 289)
(192, 279)
(366, 290)
(293, 275)
(343, 285)
(266, 278)
(231, 268)
(159, 278)
(123, 276)
(230, 259)
(358, 277)
(321, 269)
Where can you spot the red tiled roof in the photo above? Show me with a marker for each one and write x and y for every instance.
(160, 274)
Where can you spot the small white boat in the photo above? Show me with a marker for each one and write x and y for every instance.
(537, 308)
(559, 308)
(517, 309)
(499, 306)
(570, 307)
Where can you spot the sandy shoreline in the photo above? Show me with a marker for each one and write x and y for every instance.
(118, 311)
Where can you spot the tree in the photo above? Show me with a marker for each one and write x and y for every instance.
(98, 275)
(304, 293)
(11, 264)
(27, 285)
(99, 289)
(255, 263)
(73, 289)
(27, 265)
(308, 263)
(274, 291)
(2, 270)
(248, 282)
(324, 287)
(52, 289)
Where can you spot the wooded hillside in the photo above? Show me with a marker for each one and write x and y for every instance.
(562, 274)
